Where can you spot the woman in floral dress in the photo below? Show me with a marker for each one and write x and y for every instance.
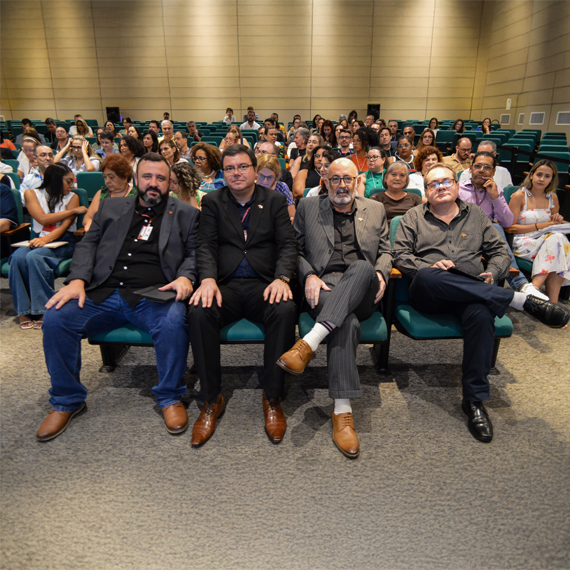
(535, 207)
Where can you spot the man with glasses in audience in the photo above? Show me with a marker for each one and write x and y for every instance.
(393, 126)
(268, 147)
(461, 160)
(167, 131)
(502, 176)
(345, 138)
(247, 254)
(369, 121)
(43, 158)
(344, 279)
(193, 131)
(436, 240)
(481, 189)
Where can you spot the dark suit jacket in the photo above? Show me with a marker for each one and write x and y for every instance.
(271, 248)
(314, 225)
(95, 255)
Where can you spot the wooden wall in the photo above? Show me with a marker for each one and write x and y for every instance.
(417, 58)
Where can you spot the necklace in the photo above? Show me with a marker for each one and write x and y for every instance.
(206, 176)
(374, 178)
(359, 165)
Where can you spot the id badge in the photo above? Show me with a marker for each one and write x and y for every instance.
(145, 233)
(245, 235)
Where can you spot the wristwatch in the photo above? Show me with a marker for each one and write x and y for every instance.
(284, 278)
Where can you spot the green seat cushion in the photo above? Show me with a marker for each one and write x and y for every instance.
(242, 331)
(63, 268)
(423, 326)
(524, 265)
(5, 266)
(371, 330)
(128, 334)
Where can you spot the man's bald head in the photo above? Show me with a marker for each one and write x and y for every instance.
(342, 179)
(343, 163)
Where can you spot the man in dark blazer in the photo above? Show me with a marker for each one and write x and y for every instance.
(134, 243)
(247, 254)
(345, 261)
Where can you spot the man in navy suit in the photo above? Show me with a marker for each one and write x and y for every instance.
(134, 243)
(247, 254)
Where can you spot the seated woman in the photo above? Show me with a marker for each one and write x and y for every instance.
(230, 139)
(110, 126)
(362, 140)
(185, 183)
(61, 139)
(427, 138)
(309, 175)
(404, 153)
(434, 125)
(268, 175)
(458, 126)
(83, 129)
(53, 208)
(328, 133)
(230, 117)
(131, 149)
(118, 175)
(328, 156)
(239, 138)
(485, 127)
(337, 130)
(535, 207)
(78, 156)
(208, 162)
(395, 199)
(170, 151)
(371, 180)
(150, 141)
(135, 132)
(426, 157)
(314, 140)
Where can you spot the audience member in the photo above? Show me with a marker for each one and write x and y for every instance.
(461, 159)
(106, 144)
(80, 156)
(53, 208)
(8, 218)
(234, 285)
(169, 150)
(458, 126)
(309, 174)
(229, 118)
(423, 161)
(207, 159)
(268, 147)
(345, 147)
(167, 130)
(250, 123)
(134, 131)
(150, 141)
(385, 138)
(362, 140)
(34, 179)
(427, 138)
(404, 152)
(153, 126)
(299, 145)
(126, 124)
(327, 132)
(434, 125)
(185, 184)
(117, 174)
(268, 175)
(110, 126)
(410, 133)
(61, 139)
(371, 180)
(393, 126)
(485, 126)
(502, 176)
(131, 149)
(100, 294)
(26, 156)
(181, 140)
(343, 284)
(314, 140)
(50, 137)
(73, 128)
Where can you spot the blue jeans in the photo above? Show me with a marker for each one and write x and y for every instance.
(32, 277)
(514, 282)
(64, 328)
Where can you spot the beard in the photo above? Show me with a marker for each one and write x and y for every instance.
(148, 200)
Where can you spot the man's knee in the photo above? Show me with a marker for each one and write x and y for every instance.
(284, 310)
(55, 319)
(198, 315)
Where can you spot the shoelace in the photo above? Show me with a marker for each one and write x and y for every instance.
(346, 421)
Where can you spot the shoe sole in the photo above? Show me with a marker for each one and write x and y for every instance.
(281, 364)
(274, 441)
(179, 430)
(345, 453)
(76, 413)
(217, 420)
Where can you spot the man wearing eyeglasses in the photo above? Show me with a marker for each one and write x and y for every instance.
(345, 138)
(344, 265)
(461, 159)
(481, 189)
(32, 181)
(247, 254)
(434, 241)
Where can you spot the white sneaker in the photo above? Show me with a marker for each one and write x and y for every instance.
(530, 289)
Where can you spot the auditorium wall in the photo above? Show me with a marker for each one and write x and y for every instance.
(193, 58)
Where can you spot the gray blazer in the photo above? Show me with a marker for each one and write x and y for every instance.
(314, 226)
(95, 255)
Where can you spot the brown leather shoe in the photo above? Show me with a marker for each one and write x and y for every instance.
(56, 423)
(344, 436)
(175, 418)
(296, 359)
(205, 425)
(275, 422)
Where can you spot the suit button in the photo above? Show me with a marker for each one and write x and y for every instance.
(330, 250)
(245, 252)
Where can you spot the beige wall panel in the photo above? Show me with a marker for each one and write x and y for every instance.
(454, 62)
(553, 31)
(80, 63)
(198, 61)
(445, 83)
(276, 82)
(538, 82)
(274, 103)
(383, 92)
(561, 95)
(91, 106)
(512, 45)
(25, 64)
(443, 103)
(324, 92)
(180, 41)
(562, 78)
(31, 105)
(91, 83)
(31, 74)
(278, 40)
(406, 99)
(546, 65)
(254, 64)
(403, 82)
(549, 49)
(452, 73)
(449, 92)
(340, 61)
(507, 88)
(203, 92)
(137, 103)
(76, 93)
(207, 33)
(395, 73)
(192, 81)
(30, 93)
(498, 102)
(70, 73)
(507, 60)
(131, 62)
(25, 83)
(128, 92)
(342, 73)
(66, 46)
(270, 51)
(136, 53)
(220, 71)
(270, 92)
(398, 25)
(509, 74)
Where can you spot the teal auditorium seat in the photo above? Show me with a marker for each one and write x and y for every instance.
(91, 181)
(116, 343)
(419, 326)
(4, 265)
(15, 178)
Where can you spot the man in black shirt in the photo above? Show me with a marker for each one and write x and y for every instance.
(134, 243)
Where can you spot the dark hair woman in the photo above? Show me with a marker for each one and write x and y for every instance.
(150, 141)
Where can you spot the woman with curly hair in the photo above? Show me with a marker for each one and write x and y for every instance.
(208, 161)
(185, 183)
(426, 157)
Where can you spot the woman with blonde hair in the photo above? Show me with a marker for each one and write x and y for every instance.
(185, 183)
(268, 175)
(78, 155)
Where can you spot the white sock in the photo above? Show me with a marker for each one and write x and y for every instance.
(317, 334)
(518, 301)
(342, 406)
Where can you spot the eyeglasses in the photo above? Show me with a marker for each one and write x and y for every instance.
(77, 147)
(336, 180)
(344, 138)
(371, 157)
(445, 183)
(241, 168)
(464, 149)
(263, 178)
(404, 145)
(485, 167)
(199, 158)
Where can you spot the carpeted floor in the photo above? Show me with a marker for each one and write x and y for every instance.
(116, 491)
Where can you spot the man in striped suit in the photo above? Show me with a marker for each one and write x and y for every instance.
(345, 261)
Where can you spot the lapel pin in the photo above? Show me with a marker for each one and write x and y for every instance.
(170, 212)
(260, 206)
(463, 235)
(359, 219)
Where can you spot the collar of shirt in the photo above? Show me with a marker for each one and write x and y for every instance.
(462, 206)
(249, 203)
(152, 211)
(352, 210)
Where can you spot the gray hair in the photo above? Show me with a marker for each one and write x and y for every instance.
(393, 166)
(492, 144)
(166, 122)
(274, 149)
(305, 133)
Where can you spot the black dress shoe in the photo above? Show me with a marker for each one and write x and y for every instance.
(478, 421)
(546, 312)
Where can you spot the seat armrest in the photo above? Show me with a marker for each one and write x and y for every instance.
(15, 230)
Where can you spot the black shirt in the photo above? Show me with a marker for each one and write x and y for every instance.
(138, 264)
(244, 269)
(346, 249)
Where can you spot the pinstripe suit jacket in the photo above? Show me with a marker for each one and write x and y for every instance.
(314, 225)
